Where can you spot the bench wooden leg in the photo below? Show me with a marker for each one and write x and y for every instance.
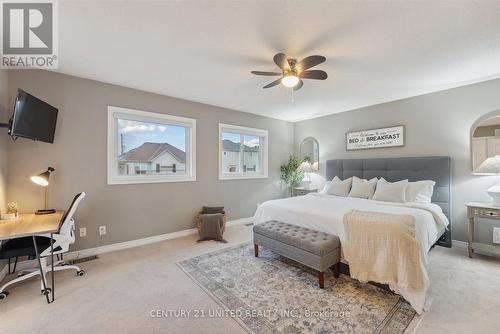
(256, 250)
(336, 269)
(321, 277)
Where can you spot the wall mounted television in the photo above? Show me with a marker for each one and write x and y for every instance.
(33, 118)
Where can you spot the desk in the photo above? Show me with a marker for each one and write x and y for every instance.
(30, 224)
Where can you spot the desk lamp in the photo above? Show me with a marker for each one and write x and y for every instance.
(43, 180)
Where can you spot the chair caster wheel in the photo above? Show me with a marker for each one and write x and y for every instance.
(46, 292)
(80, 272)
(4, 294)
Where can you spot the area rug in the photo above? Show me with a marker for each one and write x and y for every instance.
(271, 294)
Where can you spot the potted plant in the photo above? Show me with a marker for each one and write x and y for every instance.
(290, 174)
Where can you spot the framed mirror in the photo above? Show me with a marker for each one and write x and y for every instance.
(309, 150)
(485, 141)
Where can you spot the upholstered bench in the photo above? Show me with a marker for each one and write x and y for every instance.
(313, 249)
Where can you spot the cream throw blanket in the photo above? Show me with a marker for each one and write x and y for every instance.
(382, 247)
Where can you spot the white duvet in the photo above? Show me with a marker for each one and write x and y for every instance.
(325, 213)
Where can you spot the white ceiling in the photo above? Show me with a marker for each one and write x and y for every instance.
(376, 51)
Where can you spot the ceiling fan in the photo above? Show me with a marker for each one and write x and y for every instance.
(293, 72)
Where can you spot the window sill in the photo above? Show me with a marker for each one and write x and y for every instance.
(242, 176)
(139, 180)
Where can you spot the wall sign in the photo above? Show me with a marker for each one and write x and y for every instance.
(376, 138)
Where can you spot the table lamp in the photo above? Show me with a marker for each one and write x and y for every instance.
(307, 168)
(491, 166)
(43, 180)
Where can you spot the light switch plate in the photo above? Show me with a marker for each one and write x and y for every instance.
(496, 235)
(83, 232)
(102, 230)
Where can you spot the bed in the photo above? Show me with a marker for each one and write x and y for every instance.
(325, 213)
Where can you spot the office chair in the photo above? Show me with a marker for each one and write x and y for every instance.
(61, 242)
(15, 249)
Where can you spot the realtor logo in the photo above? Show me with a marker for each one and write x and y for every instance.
(29, 34)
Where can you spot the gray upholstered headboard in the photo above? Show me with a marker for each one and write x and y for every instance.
(437, 169)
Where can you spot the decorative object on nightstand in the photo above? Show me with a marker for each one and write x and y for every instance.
(43, 180)
(491, 166)
(290, 173)
(301, 191)
(481, 210)
(307, 168)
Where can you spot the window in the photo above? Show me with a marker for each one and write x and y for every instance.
(146, 147)
(242, 152)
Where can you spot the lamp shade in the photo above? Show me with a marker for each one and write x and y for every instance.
(306, 167)
(43, 178)
(489, 166)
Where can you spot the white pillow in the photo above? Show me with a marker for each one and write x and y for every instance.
(339, 187)
(391, 191)
(420, 191)
(363, 188)
(325, 187)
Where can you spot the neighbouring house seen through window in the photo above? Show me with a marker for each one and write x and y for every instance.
(149, 147)
(243, 152)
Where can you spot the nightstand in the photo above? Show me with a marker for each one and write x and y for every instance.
(481, 210)
(301, 191)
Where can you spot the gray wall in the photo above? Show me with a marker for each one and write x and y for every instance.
(130, 211)
(3, 138)
(436, 124)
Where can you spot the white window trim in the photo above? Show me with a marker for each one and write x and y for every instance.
(146, 116)
(264, 150)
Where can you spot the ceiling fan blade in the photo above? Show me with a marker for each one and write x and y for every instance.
(309, 62)
(314, 74)
(272, 84)
(266, 73)
(280, 60)
(299, 85)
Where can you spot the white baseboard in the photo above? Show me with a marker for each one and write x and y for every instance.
(22, 265)
(459, 244)
(240, 221)
(127, 244)
(144, 241)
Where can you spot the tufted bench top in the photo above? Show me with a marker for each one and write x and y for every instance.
(312, 241)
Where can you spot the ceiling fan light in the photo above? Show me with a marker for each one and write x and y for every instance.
(290, 81)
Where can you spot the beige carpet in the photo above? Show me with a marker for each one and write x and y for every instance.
(122, 288)
(272, 294)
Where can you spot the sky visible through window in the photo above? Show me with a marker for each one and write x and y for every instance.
(135, 133)
(250, 141)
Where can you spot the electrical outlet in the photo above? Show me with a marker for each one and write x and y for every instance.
(83, 232)
(496, 235)
(102, 230)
